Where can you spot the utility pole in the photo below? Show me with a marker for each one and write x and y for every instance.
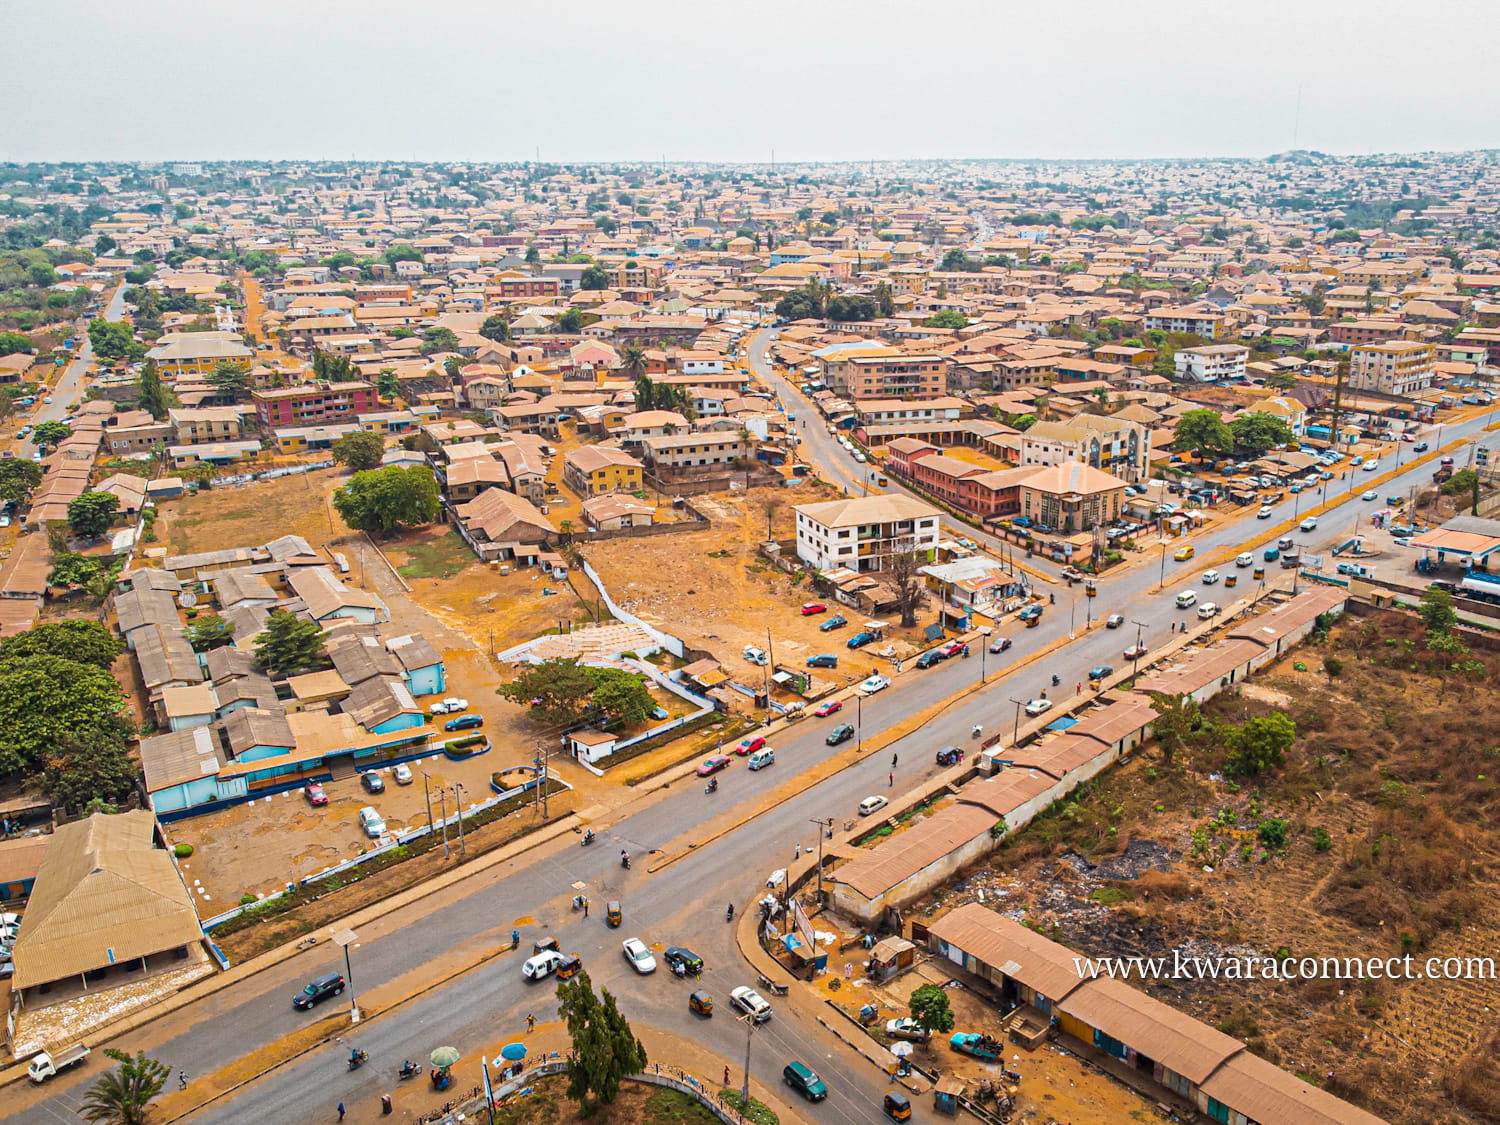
(1015, 734)
(458, 806)
(824, 826)
(1139, 625)
(427, 793)
(443, 813)
(859, 722)
(745, 1088)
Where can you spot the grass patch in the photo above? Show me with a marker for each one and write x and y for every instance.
(754, 1111)
(672, 1107)
(442, 556)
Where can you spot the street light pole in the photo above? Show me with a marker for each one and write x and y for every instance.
(823, 827)
(459, 808)
(745, 1088)
(859, 722)
(346, 938)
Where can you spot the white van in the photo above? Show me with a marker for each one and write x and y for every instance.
(1186, 599)
(544, 964)
(762, 758)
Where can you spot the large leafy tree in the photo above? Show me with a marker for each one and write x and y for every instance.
(594, 277)
(91, 513)
(439, 340)
(45, 699)
(388, 383)
(620, 696)
(561, 687)
(288, 644)
(17, 478)
(929, 1007)
(385, 499)
(151, 394)
(496, 328)
(605, 1050)
(90, 766)
(83, 641)
(1256, 432)
(51, 433)
(11, 342)
(112, 339)
(231, 381)
(1177, 718)
(209, 631)
(1259, 743)
(123, 1095)
(1203, 432)
(361, 450)
(947, 318)
(71, 569)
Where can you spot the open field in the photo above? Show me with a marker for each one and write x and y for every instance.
(1388, 802)
(254, 514)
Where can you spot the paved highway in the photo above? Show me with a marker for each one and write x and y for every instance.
(70, 388)
(683, 904)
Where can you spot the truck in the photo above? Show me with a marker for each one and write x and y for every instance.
(979, 1046)
(44, 1065)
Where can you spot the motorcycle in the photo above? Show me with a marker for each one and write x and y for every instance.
(712, 786)
(1056, 681)
(409, 1070)
(977, 729)
(358, 1058)
(729, 914)
(588, 838)
(625, 861)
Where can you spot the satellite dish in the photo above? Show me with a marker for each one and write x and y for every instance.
(187, 599)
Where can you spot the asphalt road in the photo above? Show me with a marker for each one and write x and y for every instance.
(683, 904)
(70, 387)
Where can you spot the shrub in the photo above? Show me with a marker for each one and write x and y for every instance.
(246, 899)
(1272, 832)
(182, 851)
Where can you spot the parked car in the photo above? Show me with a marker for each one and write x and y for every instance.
(930, 657)
(751, 1003)
(950, 756)
(638, 955)
(1114, 621)
(828, 707)
(999, 644)
(873, 684)
(871, 805)
(464, 722)
(859, 640)
(1136, 651)
(315, 795)
(713, 764)
(372, 781)
(823, 660)
(402, 774)
(907, 1028)
(841, 733)
(451, 704)
(834, 622)
(805, 1080)
(810, 608)
(1207, 610)
(1035, 707)
(370, 821)
(755, 656)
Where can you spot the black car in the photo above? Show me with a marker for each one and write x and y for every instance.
(676, 955)
(372, 782)
(930, 657)
(841, 733)
(834, 622)
(823, 660)
(464, 722)
(950, 756)
(329, 984)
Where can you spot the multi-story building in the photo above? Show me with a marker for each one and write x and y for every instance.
(510, 287)
(198, 353)
(1368, 331)
(897, 376)
(211, 423)
(592, 470)
(311, 404)
(1212, 363)
(1396, 367)
(691, 450)
(1114, 445)
(866, 532)
(1208, 323)
(1072, 497)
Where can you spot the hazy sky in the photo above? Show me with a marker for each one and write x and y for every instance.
(707, 80)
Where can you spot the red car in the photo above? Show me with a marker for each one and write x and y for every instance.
(828, 708)
(315, 795)
(999, 645)
(1135, 651)
(810, 608)
(749, 745)
(953, 648)
(713, 765)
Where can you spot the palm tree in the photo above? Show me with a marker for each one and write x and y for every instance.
(123, 1096)
(633, 362)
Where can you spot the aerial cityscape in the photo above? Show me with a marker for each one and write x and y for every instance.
(439, 598)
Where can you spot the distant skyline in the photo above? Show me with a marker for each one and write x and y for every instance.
(815, 80)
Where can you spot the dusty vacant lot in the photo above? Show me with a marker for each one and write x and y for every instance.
(1388, 802)
(254, 514)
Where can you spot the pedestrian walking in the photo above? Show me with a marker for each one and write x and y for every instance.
(1078, 687)
(726, 1075)
(848, 971)
(585, 908)
(182, 1080)
(530, 1022)
(890, 780)
(798, 853)
(341, 1111)
(893, 761)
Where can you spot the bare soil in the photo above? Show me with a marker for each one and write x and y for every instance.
(1389, 797)
(255, 513)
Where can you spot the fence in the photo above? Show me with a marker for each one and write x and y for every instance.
(666, 640)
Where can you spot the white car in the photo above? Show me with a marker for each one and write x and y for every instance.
(873, 684)
(1370, 466)
(1207, 610)
(370, 821)
(907, 1028)
(751, 1003)
(402, 774)
(449, 705)
(1246, 559)
(1370, 495)
(639, 956)
(1309, 523)
(872, 805)
(755, 656)
(1035, 707)
(1210, 577)
(1264, 513)
(1187, 598)
(544, 964)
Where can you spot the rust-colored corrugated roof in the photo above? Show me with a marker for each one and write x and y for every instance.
(1021, 954)
(1263, 1092)
(1174, 1039)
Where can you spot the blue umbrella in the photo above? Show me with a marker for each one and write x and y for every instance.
(513, 1052)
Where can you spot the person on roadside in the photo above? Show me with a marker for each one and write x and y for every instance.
(341, 1111)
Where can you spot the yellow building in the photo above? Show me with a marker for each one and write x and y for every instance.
(198, 353)
(594, 470)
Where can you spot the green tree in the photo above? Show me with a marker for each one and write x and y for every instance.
(151, 395)
(562, 686)
(76, 639)
(620, 696)
(93, 767)
(884, 301)
(1281, 380)
(123, 1096)
(957, 261)
(1437, 612)
(12, 342)
(851, 308)
(929, 1007)
(231, 381)
(570, 321)
(1177, 718)
(360, 450)
(70, 569)
(385, 499)
(388, 384)
(1460, 483)
(289, 644)
(1258, 744)
(210, 631)
(104, 244)
(439, 340)
(1202, 432)
(1254, 433)
(605, 1050)
(91, 513)
(633, 364)
(51, 433)
(595, 277)
(45, 699)
(496, 328)
(947, 318)
(18, 478)
(112, 339)
(533, 256)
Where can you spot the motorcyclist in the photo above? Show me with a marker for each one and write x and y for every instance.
(713, 785)
(1055, 680)
(588, 836)
(1051, 599)
(729, 914)
(977, 729)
